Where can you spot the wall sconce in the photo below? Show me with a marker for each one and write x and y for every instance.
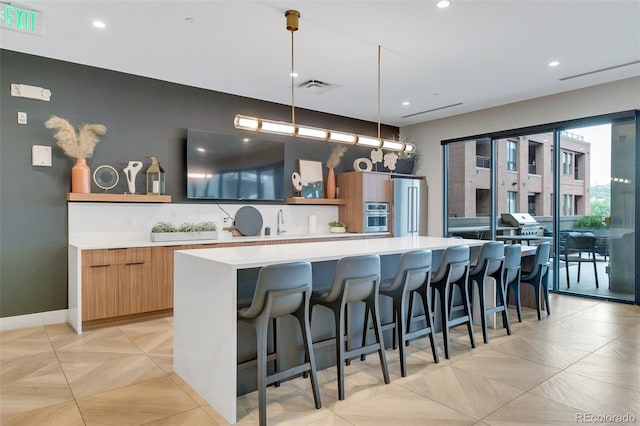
(256, 124)
(514, 183)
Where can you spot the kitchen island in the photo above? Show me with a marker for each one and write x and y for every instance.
(206, 295)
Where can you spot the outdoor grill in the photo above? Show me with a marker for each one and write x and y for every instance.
(524, 222)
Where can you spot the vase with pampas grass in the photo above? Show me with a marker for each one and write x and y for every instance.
(336, 154)
(78, 145)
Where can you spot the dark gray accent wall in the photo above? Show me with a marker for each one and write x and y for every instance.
(143, 117)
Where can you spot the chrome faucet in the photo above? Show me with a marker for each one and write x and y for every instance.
(280, 225)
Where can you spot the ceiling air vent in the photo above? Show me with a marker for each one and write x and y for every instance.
(316, 87)
(432, 110)
(599, 70)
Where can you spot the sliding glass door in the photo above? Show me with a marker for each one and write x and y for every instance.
(577, 183)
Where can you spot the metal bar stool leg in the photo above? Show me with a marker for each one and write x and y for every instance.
(375, 316)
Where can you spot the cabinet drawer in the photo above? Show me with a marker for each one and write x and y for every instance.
(116, 256)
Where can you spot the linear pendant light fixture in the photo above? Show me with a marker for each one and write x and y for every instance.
(293, 129)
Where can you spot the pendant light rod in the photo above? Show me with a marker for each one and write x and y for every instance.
(379, 92)
(292, 25)
(293, 108)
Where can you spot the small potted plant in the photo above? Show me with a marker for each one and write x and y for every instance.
(337, 227)
(407, 161)
(165, 231)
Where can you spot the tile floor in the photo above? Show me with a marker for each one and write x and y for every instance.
(583, 359)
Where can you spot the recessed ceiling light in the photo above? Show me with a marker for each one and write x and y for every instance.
(443, 3)
(245, 140)
(293, 74)
(406, 103)
(200, 149)
(554, 63)
(99, 24)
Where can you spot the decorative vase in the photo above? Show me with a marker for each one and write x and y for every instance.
(331, 184)
(81, 177)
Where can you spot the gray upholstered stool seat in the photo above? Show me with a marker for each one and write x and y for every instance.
(412, 278)
(453, 271)
(490, 264)
(538, 277)
(512, 272)
(356, 279)
(281, 290)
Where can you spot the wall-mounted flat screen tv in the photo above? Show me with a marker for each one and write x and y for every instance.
(231, 167)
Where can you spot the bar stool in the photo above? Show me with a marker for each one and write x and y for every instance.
(412, 277)
(356, 279)
(281, 290)
(538, 276)
(453, 271)
(490, 264)
(512, 272)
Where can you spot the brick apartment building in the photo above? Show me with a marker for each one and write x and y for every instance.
(525, 176)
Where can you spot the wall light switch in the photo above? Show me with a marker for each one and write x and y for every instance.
(41, 155)
(22, 118)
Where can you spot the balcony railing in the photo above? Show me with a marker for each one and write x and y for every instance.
(572, 135)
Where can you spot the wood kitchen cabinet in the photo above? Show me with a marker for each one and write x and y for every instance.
(357, 188)
(115, 282)
(118, 282)
(161, 293)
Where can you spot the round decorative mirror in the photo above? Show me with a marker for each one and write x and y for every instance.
(106, 177)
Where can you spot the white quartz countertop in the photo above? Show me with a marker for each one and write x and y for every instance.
(106, 240)
(255, 256)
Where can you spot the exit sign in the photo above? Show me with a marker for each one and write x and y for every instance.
(19, 18)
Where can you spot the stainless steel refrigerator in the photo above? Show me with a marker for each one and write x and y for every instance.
(409, 206)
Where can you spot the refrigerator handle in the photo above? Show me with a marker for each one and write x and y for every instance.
(412, 222)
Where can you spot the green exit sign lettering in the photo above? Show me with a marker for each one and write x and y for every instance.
(19, 18)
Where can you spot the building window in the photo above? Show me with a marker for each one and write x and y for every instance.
(512, 151)
(511, 201)
(532, 203)
(533, 147)
(577, 166)
(567, 205)
(567, 163)
(483, 202)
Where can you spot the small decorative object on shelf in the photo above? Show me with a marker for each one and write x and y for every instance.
(131, 171)
(78, 145)
(106, 177)
(336, 153)
(390, 160)
(311, 176)
(337, 227)
(155, 177)
(362, 165)
(376, 157)
(296, 180)
(165, 231)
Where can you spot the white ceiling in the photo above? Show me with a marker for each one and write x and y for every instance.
(478, 53)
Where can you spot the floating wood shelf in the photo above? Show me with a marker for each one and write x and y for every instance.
(119, 198)
(325, 201)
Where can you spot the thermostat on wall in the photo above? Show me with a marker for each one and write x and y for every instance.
(41, 155)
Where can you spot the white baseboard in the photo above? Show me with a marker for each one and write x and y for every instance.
(34, 320)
